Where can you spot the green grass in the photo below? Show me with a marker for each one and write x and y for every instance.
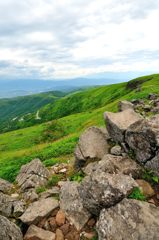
(55, 141)
(137, 194)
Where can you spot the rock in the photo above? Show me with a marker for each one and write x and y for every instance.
(143, 138)
(147, 108)
(152, 96)
(89, 235)
(153, 165)
(60, 218)
(52, 223)
(38, 210)
(18, 208)
(91, 147)
(117, 123)
(50, 192)
(146, 188)
(73, 234)
(72, 205)
(59, 235)
(32, 175)
(35, 233)
(65, 228)
(114, 164)
(116, 150)
(103, 190)
(155, 109)
(30, 195)
(8, 230)
(5, 186)
(124, 105)
(130, 219)
(6, 205)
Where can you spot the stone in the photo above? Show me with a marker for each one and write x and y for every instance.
(102, 190)
(146, 188)
(92, 146)
(152, 96)
(38, 210)
(32, 175)
(50, 192)
(6, 205)
(18, 208)
(8, 230)
(30, 195)
(153, 165)
(129, 219)
(36, 233)
(88, 235)
(5, 186)
(117, 123)
(124, 105)
(72, 205)
(65, 228)
(147, 108)
(59, 235)
(115, 164)
(116, 150)
(60, 218)
(53, 224)
(143, 138)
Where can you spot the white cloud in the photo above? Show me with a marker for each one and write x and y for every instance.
(61, 39)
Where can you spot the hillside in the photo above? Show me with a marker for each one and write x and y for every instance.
(15, 108)
(54, 141)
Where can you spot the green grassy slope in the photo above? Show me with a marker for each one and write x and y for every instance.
(19, 106)
(55, 141)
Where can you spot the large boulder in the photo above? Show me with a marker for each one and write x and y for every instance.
(114, 164)
(153, 164)
(124, 105)
(72, 205)
(8, 230)
(32, 175)
(92, 146)
(117, 123)
(103, 190)
(130, 219)
(38, 234)
(5, 186)
(143, 138)
(38, 210)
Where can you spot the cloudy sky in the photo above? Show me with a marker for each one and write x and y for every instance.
(48, 39)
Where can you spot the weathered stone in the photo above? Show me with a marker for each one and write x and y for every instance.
(153, 165)
(152, 96)
(130, 219)
(59, 235)
(6, 205)
(91, 147)
(117, 123)
(114, 164)
(102, 190)
(5, 186)
(124, 105)
(146, 188)
(143, 138)
(35, 233)
(18, 208)
(116, 150)
(72, 205)
(50, 192)
(38, 210)
(8, 230)
(32, 175)
(60, 218)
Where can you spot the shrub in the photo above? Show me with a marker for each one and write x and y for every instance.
(77, 177)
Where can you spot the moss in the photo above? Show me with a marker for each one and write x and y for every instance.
(137, 194)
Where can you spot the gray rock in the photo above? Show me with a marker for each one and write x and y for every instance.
(115, 164)
(18, 208)
(30, 195)
(72, 205)
(8, 230)
(50, 192)
(153, 165)
(117, 123)
(143, 138)
(32, 175)
(124, 105)
(130, 219)
(91, 147)
(38, 210)
(38, 233)
(103, 190)
(116, 150)
(5, 186)
(152, 96)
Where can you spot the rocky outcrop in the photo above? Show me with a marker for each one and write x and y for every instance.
(114, 164)
(32, 175)
(5, 186)
(103, 190)
(39, 234)
(130, 219)
(117, 123)
(72, 204)
(38, 210)
(92, 146)
(8, 230)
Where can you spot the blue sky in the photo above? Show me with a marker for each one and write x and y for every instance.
(50, 39)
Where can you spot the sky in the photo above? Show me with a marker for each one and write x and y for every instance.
(60, 39)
